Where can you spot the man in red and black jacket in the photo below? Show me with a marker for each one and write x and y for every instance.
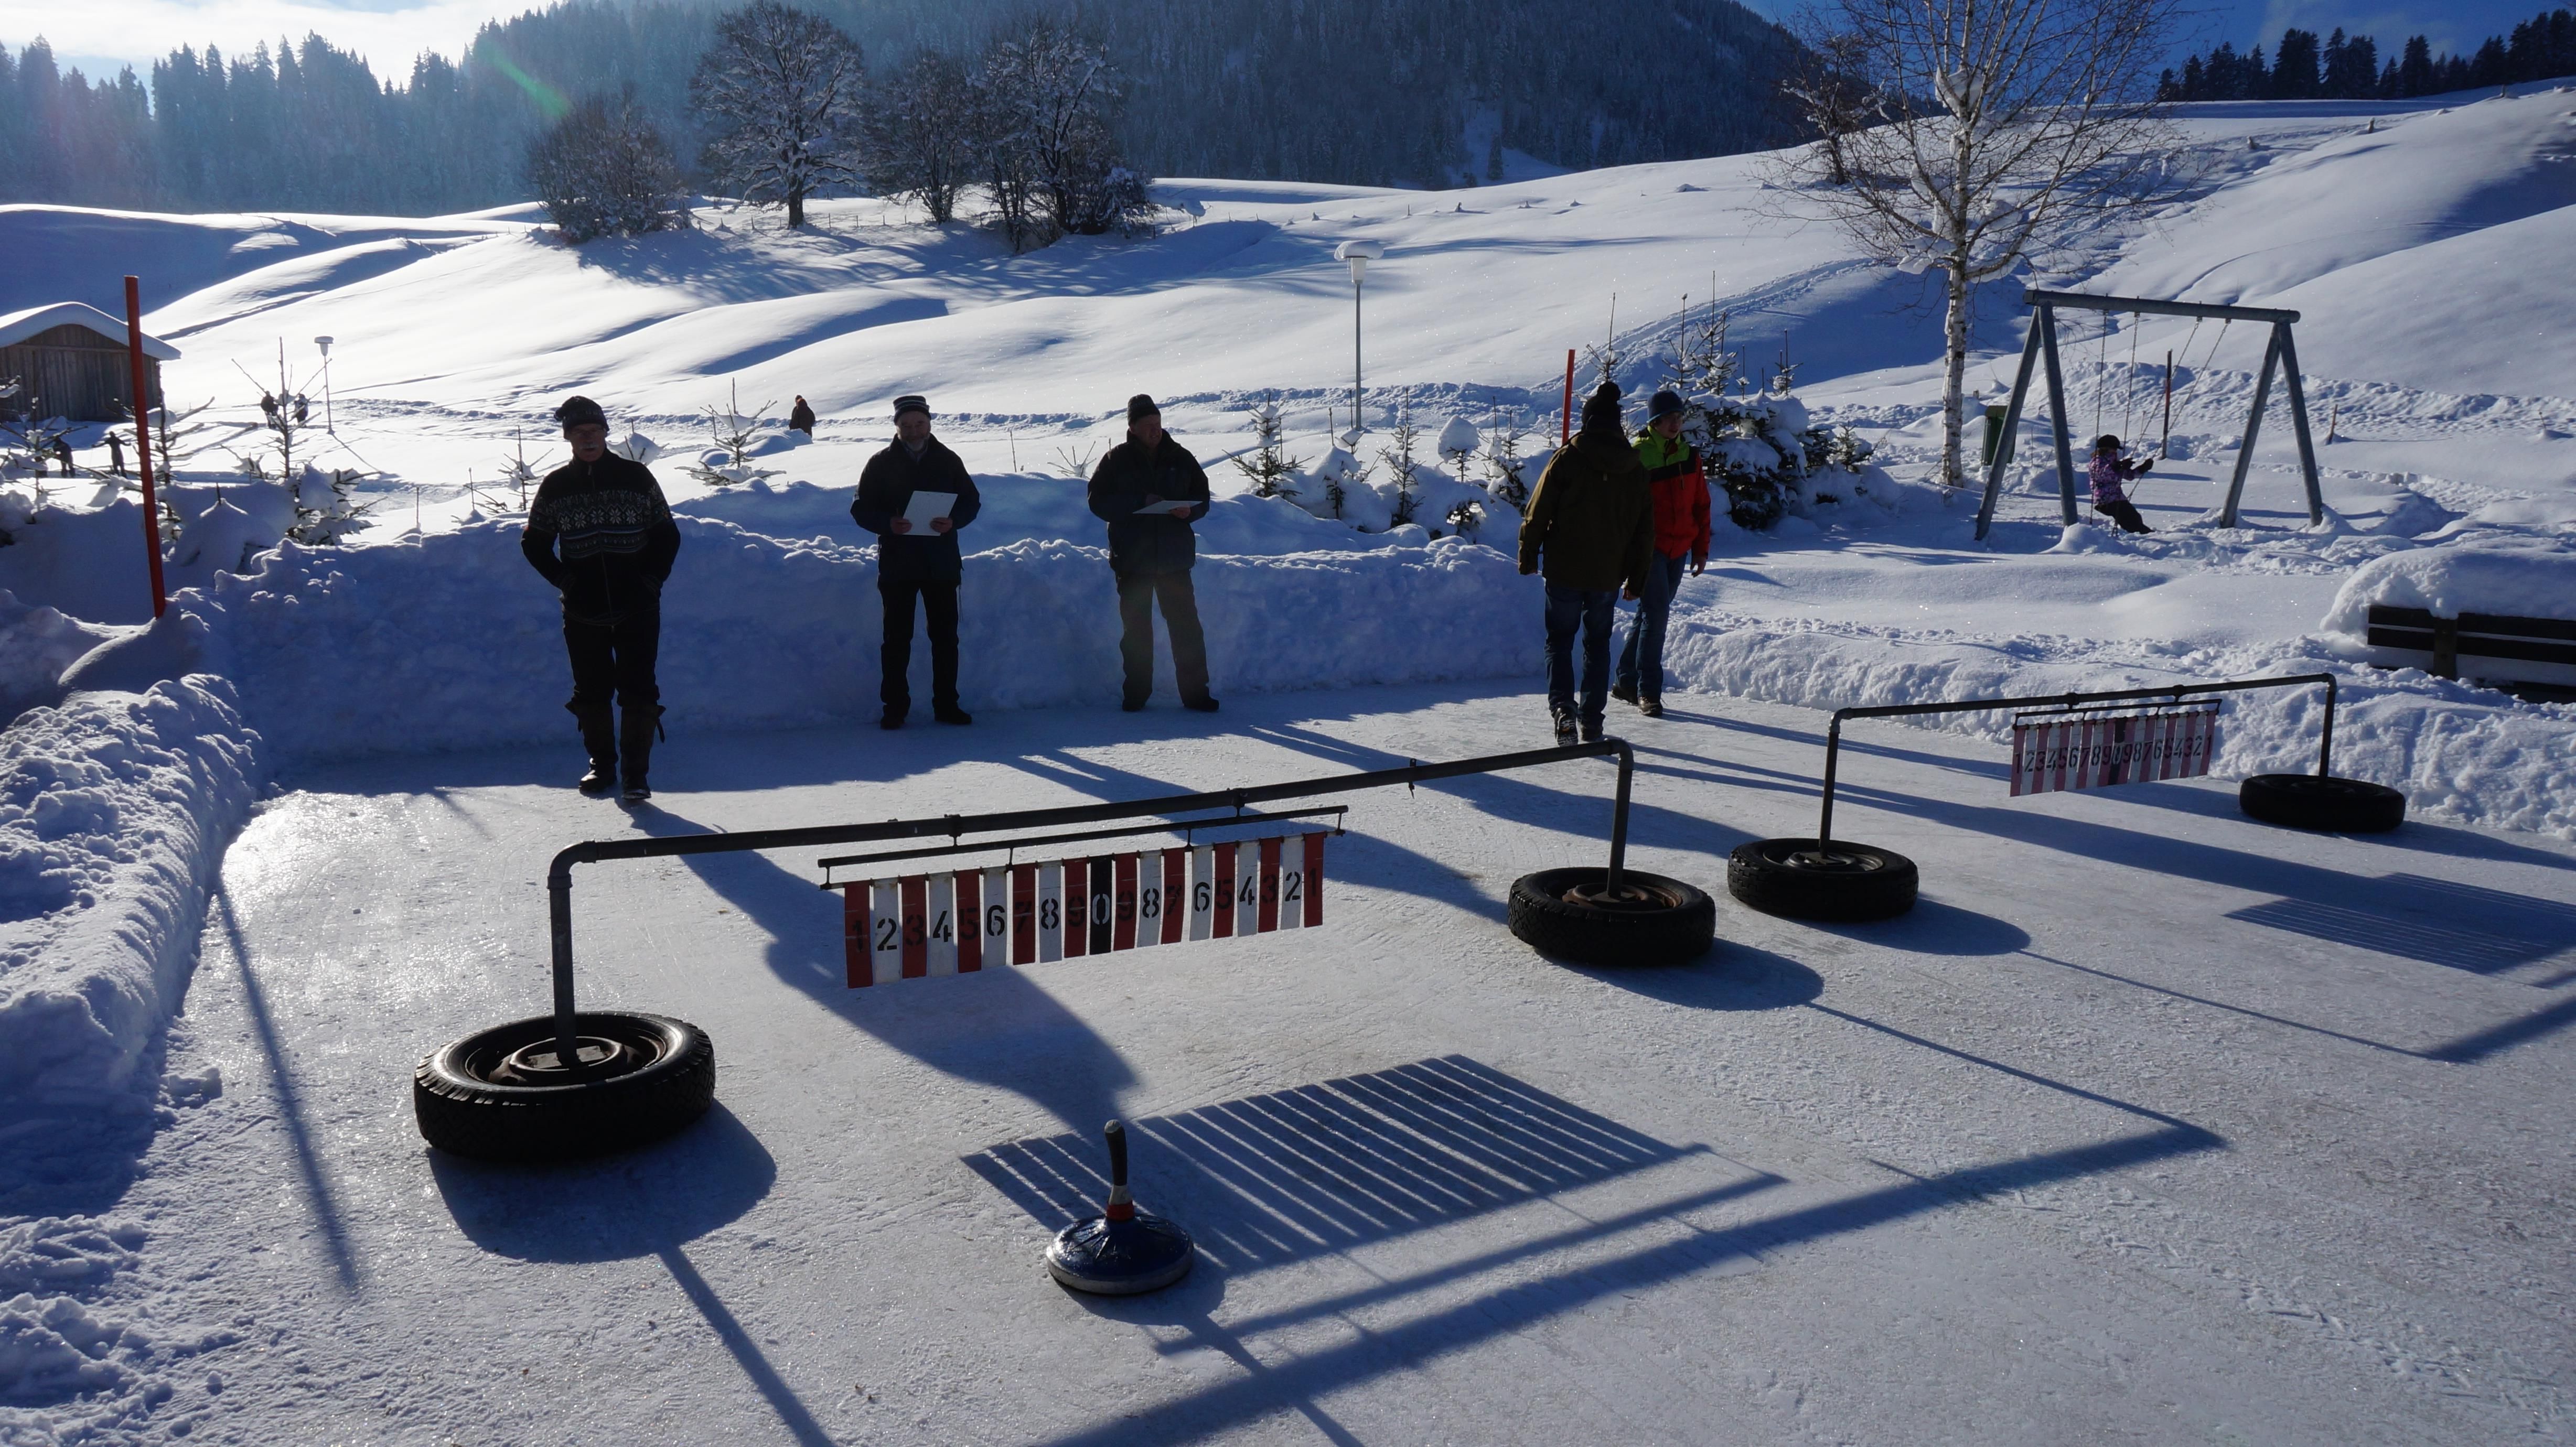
(1681, 531)
(601, 533)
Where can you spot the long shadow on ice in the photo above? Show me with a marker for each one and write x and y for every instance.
(1269, 1156)
(636, 1203)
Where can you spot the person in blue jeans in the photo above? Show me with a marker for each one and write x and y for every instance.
(1680, 486)
(1590, 528)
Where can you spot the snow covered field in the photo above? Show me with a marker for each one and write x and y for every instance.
(2150, 1121)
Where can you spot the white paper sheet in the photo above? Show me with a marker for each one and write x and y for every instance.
(926, 506)
(1174, 508)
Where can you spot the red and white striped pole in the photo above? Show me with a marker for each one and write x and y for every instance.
(143, 437)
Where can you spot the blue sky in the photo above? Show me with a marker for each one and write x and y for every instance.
(102, 33)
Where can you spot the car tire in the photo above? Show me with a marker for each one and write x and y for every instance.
(1843, 883)
(498, 1095)
(2323, 802)
(1653, 920)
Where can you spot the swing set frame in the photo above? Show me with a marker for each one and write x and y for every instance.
(2281, 355)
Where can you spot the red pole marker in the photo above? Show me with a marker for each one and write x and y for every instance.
(1077, 907)
(1565, 429)
(1176, 894)
(1024, 914)
(143, 437)
(1269, 916)
(1124, 935)
(1314, 880)
(1223, 879)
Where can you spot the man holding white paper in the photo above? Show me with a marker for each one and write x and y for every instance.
(1149, 489)
(914, 496)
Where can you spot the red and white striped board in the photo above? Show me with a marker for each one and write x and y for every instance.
(915, 926)
(2098, 748)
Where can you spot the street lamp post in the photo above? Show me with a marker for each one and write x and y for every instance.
(325, 344)
(1359, 254)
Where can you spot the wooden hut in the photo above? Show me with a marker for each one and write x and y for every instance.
(69, 360)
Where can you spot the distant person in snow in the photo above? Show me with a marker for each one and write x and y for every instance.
(1592, 522)
(2107, 472)
(916, 560)
(1149, 489)
(115, 455)
(601, 533)
(801, 418)
(63, 454)
(1680, 487)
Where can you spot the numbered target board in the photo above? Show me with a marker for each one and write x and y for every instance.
(1027, 914)
(2097, 748)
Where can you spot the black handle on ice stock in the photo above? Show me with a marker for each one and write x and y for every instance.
(951, 826)
(1834, 730)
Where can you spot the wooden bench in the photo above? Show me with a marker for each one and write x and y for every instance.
(2477, 635)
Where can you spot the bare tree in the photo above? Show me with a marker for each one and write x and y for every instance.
(1046, 110)
(921, 133)
(1830, 92)
(2000, 127)
(787, 88)
(603, 170)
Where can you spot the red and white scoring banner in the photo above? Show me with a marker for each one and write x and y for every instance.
(1028, 914)
(2096, 748)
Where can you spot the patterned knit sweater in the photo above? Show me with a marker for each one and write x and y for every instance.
(601, 533)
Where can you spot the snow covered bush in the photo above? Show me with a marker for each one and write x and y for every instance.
(737, 439)
(1760, 449)
(603, 170)
(326, 506)
(1047, 98)
(1272, 472)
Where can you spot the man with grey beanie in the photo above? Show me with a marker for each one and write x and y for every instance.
(1149, 489)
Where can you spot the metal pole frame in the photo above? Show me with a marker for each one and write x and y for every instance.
(599, 851)
(2057, 415)
(1834, 729)
(2253, 429)
(2012, 430)
(2281, 352)
(1358, 422)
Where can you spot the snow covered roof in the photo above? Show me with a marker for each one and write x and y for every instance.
(16, 327)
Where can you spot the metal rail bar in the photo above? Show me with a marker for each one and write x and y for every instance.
(1834, 730)
(1179, 826)
(600, 851)
(2157, 306)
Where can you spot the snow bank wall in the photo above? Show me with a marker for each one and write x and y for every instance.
(453, 641)
(2446, 745)
(114, 812)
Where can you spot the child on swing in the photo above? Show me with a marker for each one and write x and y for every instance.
(2107, 471)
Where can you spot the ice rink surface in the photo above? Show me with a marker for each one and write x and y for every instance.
(2151, 1123)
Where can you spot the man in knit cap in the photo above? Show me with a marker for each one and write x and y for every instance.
(599, 531)
(1149, 489)
(1681, 532)
(1591, 528)
(920, 564)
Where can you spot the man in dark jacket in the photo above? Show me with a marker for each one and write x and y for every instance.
(600, 532)
(917, 561)
(1149, 489)
(1592, 518)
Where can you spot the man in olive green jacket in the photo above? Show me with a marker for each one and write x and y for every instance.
(1591, 523)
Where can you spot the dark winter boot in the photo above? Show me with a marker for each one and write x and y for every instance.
(1564, 729)
(635, 746)
(599, 736)
(1624, 692)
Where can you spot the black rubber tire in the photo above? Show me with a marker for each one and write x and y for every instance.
(1850, 884)
(1663, 922)
(2335, 805)
(463, 1109)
